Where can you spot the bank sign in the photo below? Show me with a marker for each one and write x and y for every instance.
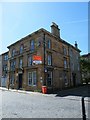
(37, 59)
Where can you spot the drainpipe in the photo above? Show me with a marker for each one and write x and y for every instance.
(44, 82)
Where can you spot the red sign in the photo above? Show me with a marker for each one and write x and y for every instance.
(37, 58)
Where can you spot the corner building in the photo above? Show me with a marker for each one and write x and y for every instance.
(59, 67)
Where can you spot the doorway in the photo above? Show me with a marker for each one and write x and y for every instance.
(20, 81)
(74, 79)
(49, 78)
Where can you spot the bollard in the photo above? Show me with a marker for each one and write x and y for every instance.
(83, 109)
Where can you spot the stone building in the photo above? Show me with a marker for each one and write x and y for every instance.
(3, 69)
(44, 58)
(85, 72)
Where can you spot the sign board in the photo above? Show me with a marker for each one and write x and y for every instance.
(37, 62)
(37, 59)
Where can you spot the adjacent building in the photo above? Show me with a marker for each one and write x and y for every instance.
(3, 69)
(44, 58)
(85, 72)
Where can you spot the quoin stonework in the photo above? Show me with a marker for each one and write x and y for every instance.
(44, 58)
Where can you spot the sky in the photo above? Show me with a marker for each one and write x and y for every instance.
(18, 19)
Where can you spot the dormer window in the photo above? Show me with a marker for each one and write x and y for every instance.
(13, 52)
(21, 48)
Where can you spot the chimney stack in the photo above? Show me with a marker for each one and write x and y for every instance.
(76, 45)
(55, 30)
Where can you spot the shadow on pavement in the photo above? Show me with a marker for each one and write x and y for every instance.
(83, 91)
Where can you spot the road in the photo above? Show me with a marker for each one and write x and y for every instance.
(25, 105)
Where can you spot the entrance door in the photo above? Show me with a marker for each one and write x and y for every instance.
(74, 79)
(49, 78)
(20, 81)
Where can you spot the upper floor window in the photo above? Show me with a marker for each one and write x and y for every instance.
(72, 66)
(78, 67)
(6, 57)
(64, 51)
(65, 63)
(49, 59)
(13, 63)
(49, 44)
(5, 68)
(13, 52)
(21, 48)
(71, 52)
(32, 45)
(29, 60)
(20, 63)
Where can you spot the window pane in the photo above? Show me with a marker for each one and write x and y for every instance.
(32, 45)
(12, 79)
(21, 48)
(49, 59)
(49, 78)
(13, 52)
(34, 78)
(49, 44)
(20, 64)
(29, 60)
(65, 63)
(30, 78)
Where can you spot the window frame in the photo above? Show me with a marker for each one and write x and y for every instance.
(6, 57)
(13, 52)
(30, 60)
(49, 59)
(51, 76)
(21, 48)
(32, 78)
(20, 65)
(32, 45)
(12, 64)
(49, 44)
(65, 63)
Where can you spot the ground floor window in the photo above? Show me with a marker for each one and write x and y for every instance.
(65, 79)
(32, 78)
(49, 78)
(12, 79)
